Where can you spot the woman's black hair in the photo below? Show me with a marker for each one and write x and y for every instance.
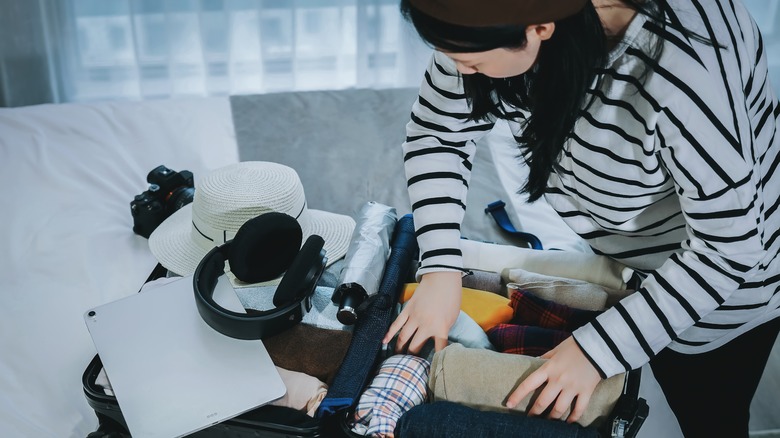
(554, 91)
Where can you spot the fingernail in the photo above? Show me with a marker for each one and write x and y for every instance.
(510, 405)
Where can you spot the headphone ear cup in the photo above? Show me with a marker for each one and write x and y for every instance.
(264, 247)
(304, 272)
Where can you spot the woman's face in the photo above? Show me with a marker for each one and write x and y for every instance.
(504, 63)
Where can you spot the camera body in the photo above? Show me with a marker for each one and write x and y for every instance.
(168, 191)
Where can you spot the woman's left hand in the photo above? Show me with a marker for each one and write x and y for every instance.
(570, 378)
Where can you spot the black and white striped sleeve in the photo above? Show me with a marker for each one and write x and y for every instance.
(438, 151)
(719, 153)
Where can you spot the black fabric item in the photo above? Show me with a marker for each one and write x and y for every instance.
(450, 420)
(710, 393)
(373, 321)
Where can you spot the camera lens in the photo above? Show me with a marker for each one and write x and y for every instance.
(179, 198)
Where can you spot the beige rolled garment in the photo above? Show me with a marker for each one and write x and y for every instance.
(592, 268)
(304, 392)
(573, 293)
(484, 379)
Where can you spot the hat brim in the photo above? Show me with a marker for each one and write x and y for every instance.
(172, 244)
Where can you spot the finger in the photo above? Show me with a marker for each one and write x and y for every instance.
(545, 399)
(562, 405)
(405, 337)
(417, 342)
(579, 408)
(439, 343)
(527, 386)
(399, 322)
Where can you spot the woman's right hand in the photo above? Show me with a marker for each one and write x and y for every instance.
(430, 313)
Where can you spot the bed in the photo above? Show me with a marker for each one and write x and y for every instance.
(69, 172)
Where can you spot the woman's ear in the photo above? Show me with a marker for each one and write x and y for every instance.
(541, 32)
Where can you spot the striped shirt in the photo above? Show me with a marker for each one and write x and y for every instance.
(674, 173)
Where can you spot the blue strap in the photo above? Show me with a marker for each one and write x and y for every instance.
(496, 209)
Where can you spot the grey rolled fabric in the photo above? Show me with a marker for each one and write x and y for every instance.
(571, 292)
(484, 280)
(484, 379)
(592, 268)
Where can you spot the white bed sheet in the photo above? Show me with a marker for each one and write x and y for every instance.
(68, 174)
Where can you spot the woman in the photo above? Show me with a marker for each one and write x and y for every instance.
(650, 127)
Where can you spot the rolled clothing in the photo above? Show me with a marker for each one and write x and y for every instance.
(310, 350)
(538, 312)
(572, 292)
(304, 392)
(484, 379)
(399, 385)
(330, 276)
(465, 332)
(487, 309)
(484, 280)
(451, 420)
(592, 268)
(322, 313)
(524, 339)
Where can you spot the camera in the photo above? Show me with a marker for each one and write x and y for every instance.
(168, 191)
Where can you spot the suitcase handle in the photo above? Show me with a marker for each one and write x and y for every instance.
(630, 411)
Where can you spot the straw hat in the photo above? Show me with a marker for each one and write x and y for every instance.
(230, 196)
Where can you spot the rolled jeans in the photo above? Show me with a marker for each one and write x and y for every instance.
(451, 420)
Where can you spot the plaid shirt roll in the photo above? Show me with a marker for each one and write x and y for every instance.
(399, 385)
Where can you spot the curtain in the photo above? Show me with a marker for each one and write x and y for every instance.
(83, 50)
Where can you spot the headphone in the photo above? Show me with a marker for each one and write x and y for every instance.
(264, 248)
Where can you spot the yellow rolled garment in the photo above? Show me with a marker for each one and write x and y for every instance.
(485, 308)
(484, 379)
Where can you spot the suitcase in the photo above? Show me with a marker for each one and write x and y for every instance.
(282, 422)
(274, 421)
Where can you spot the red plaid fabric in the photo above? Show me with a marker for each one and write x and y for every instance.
(525, 340)
(531, 310)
